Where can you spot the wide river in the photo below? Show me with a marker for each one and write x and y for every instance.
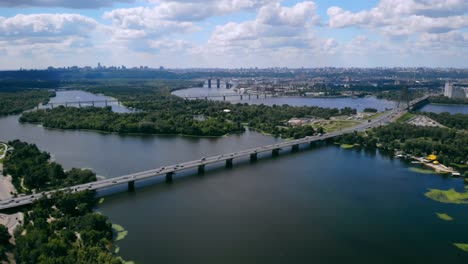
(358, 103)
(322, 205)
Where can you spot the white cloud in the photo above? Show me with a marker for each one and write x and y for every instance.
(62, 3)
(45, 25)
(405, 17)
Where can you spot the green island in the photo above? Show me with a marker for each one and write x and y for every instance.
(444, 216)
(15, 101)
(166, 114)
(62, 229)
(448, 196)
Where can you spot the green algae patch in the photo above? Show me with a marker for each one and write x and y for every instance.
(461, 246)
(120, 232)
(448, 196)
(444, 216)
(346, 146)
(423, 171)
(101, 200)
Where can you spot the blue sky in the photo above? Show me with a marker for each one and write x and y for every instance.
(233, 33)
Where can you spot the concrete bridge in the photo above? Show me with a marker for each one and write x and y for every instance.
(200, 164)
(224, 96)
(82, 103)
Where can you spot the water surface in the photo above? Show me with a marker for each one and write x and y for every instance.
(326, 205)
(357, 103)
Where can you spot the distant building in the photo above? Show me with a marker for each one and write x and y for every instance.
(454, 91)
(448, 90)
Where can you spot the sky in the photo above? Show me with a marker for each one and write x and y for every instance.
(233, 33)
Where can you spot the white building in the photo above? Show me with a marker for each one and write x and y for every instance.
(448, 90)
(452, 91)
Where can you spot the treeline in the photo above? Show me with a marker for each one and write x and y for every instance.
(169, 121)
(456, 121)
(64, 229)
(17, 101)
(446, 100)
(451, 146)
(31, 169)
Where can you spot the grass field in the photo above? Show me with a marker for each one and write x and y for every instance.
(405, 117)
(334, 125)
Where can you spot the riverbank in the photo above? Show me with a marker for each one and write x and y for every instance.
(438, 168)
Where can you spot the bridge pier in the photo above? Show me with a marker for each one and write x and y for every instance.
(249, 96)
(224, 98)
(241, 97)
(79, 104)
(253, 157)
(275, 152)
(93, 103)
(295, 148)
(201, 169)
(169, 177)
(131, 186)
(105, 102)
(52, 106)
(229, 163)
(258, 96)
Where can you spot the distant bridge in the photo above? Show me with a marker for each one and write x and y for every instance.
(224, 96)
(187, 97)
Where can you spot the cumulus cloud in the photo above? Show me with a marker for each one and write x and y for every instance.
(274, 26)
(45, 25)
(62, 3)
(405, 17)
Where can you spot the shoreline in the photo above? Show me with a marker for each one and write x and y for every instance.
(130, 134)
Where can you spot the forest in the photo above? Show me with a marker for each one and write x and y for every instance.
(448, 144)
(64, 229)
(17, 101)
(31, 169)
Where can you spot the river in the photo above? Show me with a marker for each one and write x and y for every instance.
(325, 205)
(340, 102)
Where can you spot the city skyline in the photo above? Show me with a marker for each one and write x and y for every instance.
(233, 34)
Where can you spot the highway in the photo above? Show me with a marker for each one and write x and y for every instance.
(168, 171)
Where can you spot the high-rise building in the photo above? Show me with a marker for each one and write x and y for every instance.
(448, 90)
(218, 83)
(209, 83)
(454, 91)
